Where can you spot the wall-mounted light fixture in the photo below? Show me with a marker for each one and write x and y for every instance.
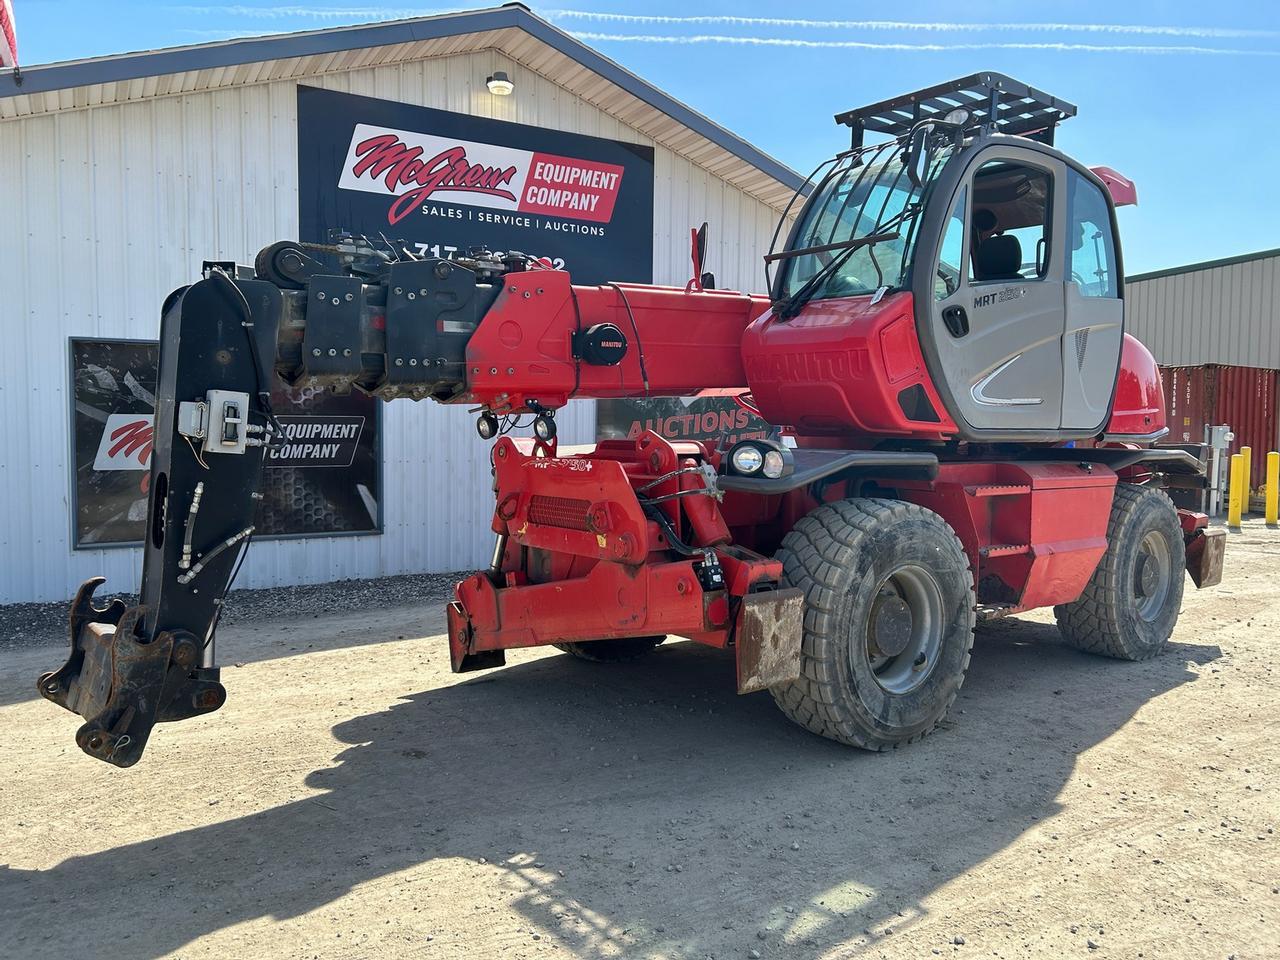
(500, 84)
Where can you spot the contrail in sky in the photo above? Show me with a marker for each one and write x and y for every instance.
(319, 13)
(397, 13)
(918, 47)
(934, 27)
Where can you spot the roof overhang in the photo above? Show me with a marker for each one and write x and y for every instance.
(511, 29)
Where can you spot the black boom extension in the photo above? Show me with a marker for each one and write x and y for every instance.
(132, 668)
(390, 325)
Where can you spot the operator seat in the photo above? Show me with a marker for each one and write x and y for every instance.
(999, 258)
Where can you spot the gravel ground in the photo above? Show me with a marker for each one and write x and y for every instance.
(356, 800)
(35, 624)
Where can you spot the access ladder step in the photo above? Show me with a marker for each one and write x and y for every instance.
(998, 489)
(1004, 549)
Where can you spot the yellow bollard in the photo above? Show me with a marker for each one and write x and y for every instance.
(1235, 485)
(1273, 487)
(1247, 453)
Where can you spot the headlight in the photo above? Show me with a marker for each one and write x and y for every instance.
(773, 464)
(746, 459)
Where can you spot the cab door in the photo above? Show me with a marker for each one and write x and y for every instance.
(998, 296)
(1094, 332)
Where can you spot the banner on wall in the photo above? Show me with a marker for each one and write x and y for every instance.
(715, 418)
(444, 183)
(324, 480)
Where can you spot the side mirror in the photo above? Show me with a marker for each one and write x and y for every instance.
(919, 154)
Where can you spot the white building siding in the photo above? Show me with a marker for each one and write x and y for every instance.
(1229, 313)
(107, 209)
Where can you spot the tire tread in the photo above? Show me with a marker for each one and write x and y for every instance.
(813, 554)
(1091, 623)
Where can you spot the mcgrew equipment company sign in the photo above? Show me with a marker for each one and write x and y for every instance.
(443, 183)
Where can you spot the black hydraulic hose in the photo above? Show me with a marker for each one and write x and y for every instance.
(577, 360)
(194, 509)
(644, 376)
(226, 544)
(244, 537)
(237, 298)
(678, 545)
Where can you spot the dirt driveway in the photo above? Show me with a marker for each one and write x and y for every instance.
(355, 799)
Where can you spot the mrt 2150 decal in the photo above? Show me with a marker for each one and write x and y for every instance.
(322, 480)
(444, 183)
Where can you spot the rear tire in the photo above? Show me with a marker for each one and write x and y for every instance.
(613, 650)
(1131, 603)
(888, 622)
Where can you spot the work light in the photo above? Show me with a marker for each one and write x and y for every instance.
(746, 458)
(774, 464)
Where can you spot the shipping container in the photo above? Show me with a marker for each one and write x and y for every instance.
(1244, 398)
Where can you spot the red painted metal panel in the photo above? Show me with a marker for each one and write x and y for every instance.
(1243, 397)
(1036, 529)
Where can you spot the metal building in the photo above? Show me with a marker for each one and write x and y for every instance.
(119, 175)
(1214, 327)
(1220, 311)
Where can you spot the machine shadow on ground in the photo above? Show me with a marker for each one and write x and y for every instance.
(659, 813)
(254, 641)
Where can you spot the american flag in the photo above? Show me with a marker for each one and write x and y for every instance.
(8, 36)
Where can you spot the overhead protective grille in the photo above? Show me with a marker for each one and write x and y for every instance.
(991, 98)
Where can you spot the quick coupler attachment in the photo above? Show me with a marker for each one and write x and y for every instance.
(123, 685)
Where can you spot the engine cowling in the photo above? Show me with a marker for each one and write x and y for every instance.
(848, 367)
(1139, 409)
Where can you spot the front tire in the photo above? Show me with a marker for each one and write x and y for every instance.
(888, 624)
(1131, 603)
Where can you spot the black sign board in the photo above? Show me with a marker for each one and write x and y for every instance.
(323, 481)
(444, 183)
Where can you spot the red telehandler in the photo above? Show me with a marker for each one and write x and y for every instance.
(970, 433)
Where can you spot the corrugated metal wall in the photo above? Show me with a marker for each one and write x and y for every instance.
(108, 209)
(1226, 314)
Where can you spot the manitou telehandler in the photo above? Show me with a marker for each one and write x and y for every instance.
(969, 433)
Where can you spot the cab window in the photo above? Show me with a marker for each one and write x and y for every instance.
(1093, 252)
(951, 255)
(1011, 222)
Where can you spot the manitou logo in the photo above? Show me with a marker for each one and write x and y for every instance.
(126, 444)
(417, 167)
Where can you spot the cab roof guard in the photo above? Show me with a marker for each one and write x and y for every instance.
(1016, 107)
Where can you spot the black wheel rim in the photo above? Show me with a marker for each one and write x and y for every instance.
(903, 633)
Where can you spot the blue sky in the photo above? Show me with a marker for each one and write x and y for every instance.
(1179, 97)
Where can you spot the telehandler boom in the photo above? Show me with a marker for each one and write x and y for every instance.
(969, 433)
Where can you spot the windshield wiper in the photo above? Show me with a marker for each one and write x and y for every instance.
(789, 306)
(851, 243)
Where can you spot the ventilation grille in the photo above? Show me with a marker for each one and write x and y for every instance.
(1082, 341)
(564, 512)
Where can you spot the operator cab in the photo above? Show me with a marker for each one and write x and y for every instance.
(1007, 246)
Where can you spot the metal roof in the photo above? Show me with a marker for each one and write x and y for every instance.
(1202, 265)
(511, 29)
